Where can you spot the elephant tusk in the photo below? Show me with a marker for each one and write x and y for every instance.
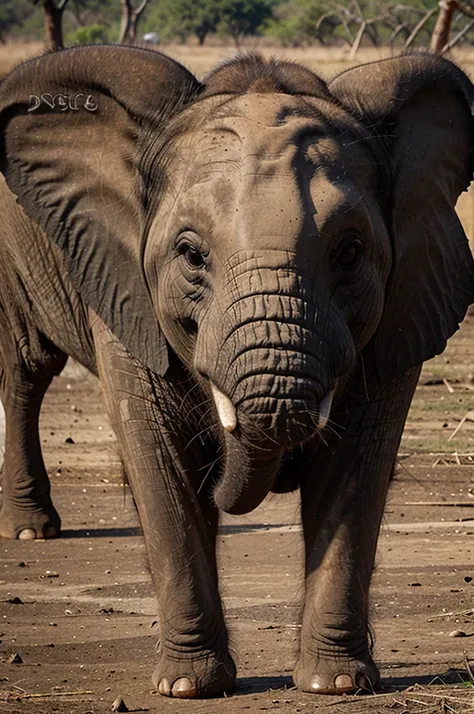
(225, 409)
(325, 409)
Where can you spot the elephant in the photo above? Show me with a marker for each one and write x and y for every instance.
(255, 265)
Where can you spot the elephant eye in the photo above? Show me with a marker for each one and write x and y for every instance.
(194, 258)
(350, 253)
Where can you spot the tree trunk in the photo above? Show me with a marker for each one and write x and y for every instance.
(53, 28)
(418, 27)
(458, 37)
(357, 40)
(130, 19)
(440, 36)
(372, 34)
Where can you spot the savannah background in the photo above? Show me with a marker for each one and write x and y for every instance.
(77, 614)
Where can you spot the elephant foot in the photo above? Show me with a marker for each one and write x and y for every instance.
(29, 523)
(209, 675)
(337, 676)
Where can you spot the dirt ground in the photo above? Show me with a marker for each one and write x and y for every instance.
(80, 611)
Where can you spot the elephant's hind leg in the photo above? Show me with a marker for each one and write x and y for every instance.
(27, 510)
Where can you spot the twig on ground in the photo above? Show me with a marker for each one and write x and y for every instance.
(448, 386)
(469, 416)
(449, 614)
(47, 695)
(463, 504)
(469, 668)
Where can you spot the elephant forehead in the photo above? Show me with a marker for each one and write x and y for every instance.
(260, 169)
(242, 160)
(258, 131)
(254, 140)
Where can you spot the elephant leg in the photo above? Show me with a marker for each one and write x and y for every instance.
(343, 496)
(27, 510)
(166, 464)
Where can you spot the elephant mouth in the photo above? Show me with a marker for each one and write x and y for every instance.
(254, 445)
(228, 418)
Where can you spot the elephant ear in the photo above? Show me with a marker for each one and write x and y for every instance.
(75, 129)
(420, 108)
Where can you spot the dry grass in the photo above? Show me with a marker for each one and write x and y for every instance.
(325, 61)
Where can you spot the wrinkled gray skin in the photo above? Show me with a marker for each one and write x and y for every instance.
(263, 233)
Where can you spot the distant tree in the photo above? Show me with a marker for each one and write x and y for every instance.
(182, 18)
(447, 9)
(243, 17)
(53, 22)
(130, 18)
(302, 22)
(389, 22)
(92, 12)
(12, 15)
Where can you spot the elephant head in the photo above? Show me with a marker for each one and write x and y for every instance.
(264, 227)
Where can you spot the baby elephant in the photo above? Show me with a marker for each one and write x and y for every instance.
(240, 260)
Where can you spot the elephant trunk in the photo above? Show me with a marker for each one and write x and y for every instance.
(249, 472)
(272, 367)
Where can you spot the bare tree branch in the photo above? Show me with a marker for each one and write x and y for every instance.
(398, 29)
(457, 37)
(440, 36)
(324, 17)
(141, 8)
(418, 27)
(357, 40)
(130, 18)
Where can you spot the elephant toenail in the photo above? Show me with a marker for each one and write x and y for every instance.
(344, 683)
(50, 532)
(183, 688)
(317, 686)
(164, 688)
(27, 534)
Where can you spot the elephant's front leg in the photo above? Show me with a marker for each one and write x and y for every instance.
(163, 465)
(343, 496)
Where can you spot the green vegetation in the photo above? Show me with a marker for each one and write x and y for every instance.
(88, 35)
(180, 19)
(290, 22)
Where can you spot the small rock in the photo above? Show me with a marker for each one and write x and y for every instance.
(467, 579)
(15, 658)
(22, 564)
(69, 440)
(414, 585)
(16, 600)
(119, 705)
(457, 633)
